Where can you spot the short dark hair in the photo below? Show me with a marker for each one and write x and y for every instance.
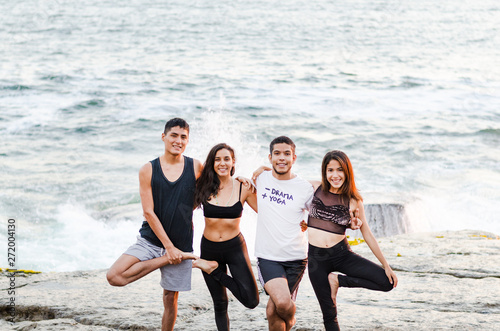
(281, 140)
(172, 123)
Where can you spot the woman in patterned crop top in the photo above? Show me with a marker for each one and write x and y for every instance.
(222, 244)
(335, 196)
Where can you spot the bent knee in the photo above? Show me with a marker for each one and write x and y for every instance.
(283, 305)
(387, 287)
(252, 303)
(114, 279)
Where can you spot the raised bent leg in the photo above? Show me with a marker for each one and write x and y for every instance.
(242, 283)
(128, 268)
(361, 272)
(233, 253)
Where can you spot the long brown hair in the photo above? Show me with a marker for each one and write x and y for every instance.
(348, 189)
(208, 182)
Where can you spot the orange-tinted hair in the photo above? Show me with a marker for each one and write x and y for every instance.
(348, 188)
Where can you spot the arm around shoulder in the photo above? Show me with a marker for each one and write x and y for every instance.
(250, 197)
(309, 194)
(198, 168)
(315, 184)
(259, 171)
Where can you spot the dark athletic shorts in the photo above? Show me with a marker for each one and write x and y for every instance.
(291, 270)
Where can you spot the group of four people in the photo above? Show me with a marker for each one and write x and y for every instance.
(172, 185)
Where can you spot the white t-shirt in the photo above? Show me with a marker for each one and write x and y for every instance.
(282, 205)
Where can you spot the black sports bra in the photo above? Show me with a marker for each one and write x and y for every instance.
(328, 212)
(214, 211)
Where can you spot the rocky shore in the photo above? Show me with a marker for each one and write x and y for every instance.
(448, 280)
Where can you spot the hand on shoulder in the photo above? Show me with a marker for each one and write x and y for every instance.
(247, 183)
(259, 171)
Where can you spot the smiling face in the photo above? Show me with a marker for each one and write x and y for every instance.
(282, 158)
(176, 140)
(223, 163)
(335, 176)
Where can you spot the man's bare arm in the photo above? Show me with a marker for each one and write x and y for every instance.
(174, 255)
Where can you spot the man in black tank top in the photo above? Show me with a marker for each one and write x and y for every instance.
(166, 237)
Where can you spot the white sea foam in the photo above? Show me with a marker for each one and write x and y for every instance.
(75, 241)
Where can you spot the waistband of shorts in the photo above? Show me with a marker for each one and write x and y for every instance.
(147, 241)
(341, 246)
(283, 263)
(223, 245)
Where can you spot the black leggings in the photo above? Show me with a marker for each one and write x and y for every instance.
(242, 284)
(359, 272)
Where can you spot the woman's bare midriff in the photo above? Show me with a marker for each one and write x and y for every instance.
(221, 229)
(320, 238)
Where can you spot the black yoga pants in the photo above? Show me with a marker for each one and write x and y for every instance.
(233, 254)
(358, 272)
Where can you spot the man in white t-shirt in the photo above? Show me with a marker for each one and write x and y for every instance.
(281, 246)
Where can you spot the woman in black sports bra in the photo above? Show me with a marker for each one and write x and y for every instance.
(223, 244)
(329, 216)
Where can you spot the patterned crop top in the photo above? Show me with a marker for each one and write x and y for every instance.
(214, 211)
(329, 213)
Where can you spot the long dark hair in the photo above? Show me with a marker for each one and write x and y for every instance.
(208, 182)
(348, 189)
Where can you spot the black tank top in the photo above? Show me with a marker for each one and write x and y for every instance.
(173, 204)
(214, 211)
(329, 212)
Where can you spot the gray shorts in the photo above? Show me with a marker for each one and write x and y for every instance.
(174, 277)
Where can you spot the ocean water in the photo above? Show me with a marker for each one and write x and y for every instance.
(409, 90)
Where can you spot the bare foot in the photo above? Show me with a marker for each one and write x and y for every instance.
(189, 256)
(333, 279)
(206, 266)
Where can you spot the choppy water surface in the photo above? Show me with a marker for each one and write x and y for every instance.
(409, 90)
